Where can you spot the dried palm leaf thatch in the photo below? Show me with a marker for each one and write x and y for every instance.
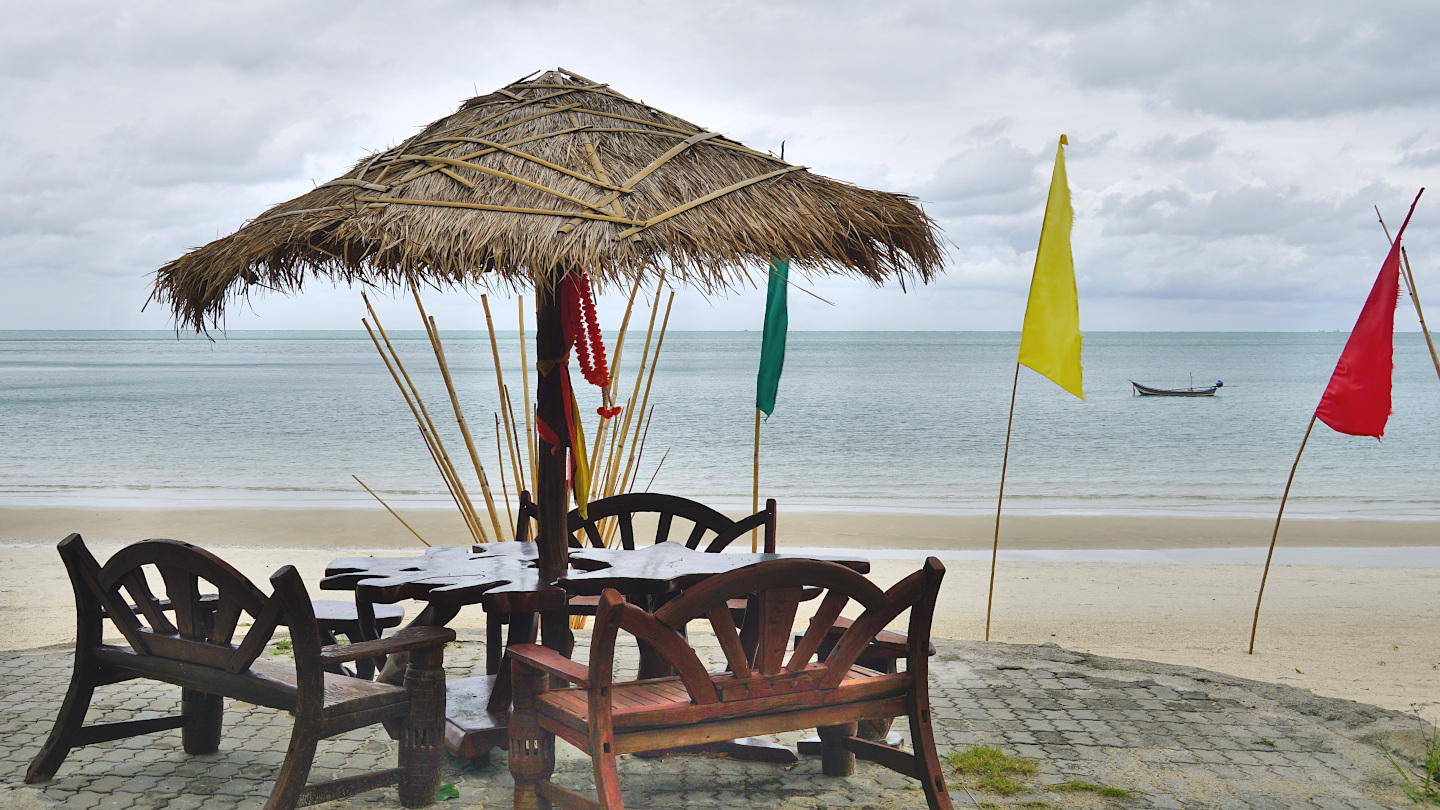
(549, 173)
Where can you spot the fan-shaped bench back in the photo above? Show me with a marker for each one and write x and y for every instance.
(774, 590)
(205, 595)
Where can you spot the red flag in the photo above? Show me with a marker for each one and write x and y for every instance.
(1357, 400)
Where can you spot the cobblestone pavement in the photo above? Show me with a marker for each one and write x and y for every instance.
(1174, 737)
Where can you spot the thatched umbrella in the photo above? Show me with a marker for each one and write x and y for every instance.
(543, 177)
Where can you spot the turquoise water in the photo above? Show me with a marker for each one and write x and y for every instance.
(872, 421)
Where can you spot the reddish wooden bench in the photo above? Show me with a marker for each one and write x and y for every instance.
(187, 639)
(760, 693)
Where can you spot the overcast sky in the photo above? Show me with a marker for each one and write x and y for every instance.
(1224, 158)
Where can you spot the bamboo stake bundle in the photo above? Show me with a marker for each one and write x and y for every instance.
(654, 363)
(529, 413)
(500, 387)
(607, 424)
(613, 470)
(435, 345)
(426, 425)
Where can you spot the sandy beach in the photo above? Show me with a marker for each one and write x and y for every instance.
(1363, 633)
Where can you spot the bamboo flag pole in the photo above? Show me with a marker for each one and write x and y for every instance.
(529, 414)
(755, 486)
(1004, 464)
(391, 511)
(1414, 295)
(426, 425)
(1256, 623)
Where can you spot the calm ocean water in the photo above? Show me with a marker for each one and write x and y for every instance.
(872, 421)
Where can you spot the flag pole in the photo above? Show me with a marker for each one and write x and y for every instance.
(1414, 296)
(1256, 623)
(995, 551)
(755, 491)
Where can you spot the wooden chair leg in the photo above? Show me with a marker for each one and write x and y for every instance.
(532, 749)
(296, 770)
(67, 725)
(204, 717)
(835, 758)
(422, 737)
(927, 761)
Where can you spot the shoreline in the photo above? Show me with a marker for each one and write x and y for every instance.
(354, 528)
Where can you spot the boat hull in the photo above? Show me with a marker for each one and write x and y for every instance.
(1147, 391)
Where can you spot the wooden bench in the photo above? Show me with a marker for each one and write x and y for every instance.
(187, 638)
(761, 692)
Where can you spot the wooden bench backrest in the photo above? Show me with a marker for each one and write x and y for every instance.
(708, 530)
(774, 590)
(205, 598)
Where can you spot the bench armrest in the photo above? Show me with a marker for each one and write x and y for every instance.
(410, 638)
(549, 661)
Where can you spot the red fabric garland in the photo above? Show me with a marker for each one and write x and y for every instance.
(582, 330)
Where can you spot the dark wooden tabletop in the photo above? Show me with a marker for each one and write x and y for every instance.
(666, 567)
(502, 576)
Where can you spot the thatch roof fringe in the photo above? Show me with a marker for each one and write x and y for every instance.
(552, 173)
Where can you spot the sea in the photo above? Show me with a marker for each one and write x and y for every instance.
(865, 421)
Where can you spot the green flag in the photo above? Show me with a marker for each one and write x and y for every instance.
(772, 347)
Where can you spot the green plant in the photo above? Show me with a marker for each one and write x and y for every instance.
(283, 647)
(1077, 786)
(1425, 787)
(1270, 743)
(992, 769)
(447, 792)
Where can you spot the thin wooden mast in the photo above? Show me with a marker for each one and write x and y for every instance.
(995, 551)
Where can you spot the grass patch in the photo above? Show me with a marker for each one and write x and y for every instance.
(1077, 786)
(1424, 787)
(1270, 743)
(992, 769)
(283, 647)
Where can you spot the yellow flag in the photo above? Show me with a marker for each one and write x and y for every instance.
(1050, 341)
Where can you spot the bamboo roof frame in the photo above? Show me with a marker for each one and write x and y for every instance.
(551, 173)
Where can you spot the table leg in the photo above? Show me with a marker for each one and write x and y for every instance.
(432, 616)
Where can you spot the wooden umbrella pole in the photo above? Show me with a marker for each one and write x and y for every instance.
(552, 499)
(1414, 295)
(391, 511)
(755, 486)
(499, 385)
(529, 414)
(1256, 623)
(1004, 465)
(422, 419)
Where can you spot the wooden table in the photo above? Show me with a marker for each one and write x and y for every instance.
(503, 578)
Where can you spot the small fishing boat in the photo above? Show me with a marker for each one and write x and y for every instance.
(1192, 391)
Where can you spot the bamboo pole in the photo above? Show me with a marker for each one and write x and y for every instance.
(434, 332)
(423, 421)
(650, 381)
(657, 470)
(1414, 296)
(607, 424)
(504, 488)
(645, 434)
(515, 464)
(391, 511)
(529, 413)
(500, 388)
(1256, 623)
(1004, 464)
(755, 489)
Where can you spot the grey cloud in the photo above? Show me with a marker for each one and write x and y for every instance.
(991, 179)
(1171, 148)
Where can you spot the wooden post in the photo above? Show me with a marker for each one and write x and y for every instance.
(995, 551)
(552, 497)
(1256, 623)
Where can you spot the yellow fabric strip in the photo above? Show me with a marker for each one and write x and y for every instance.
(581, 474)
(1050, 341)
